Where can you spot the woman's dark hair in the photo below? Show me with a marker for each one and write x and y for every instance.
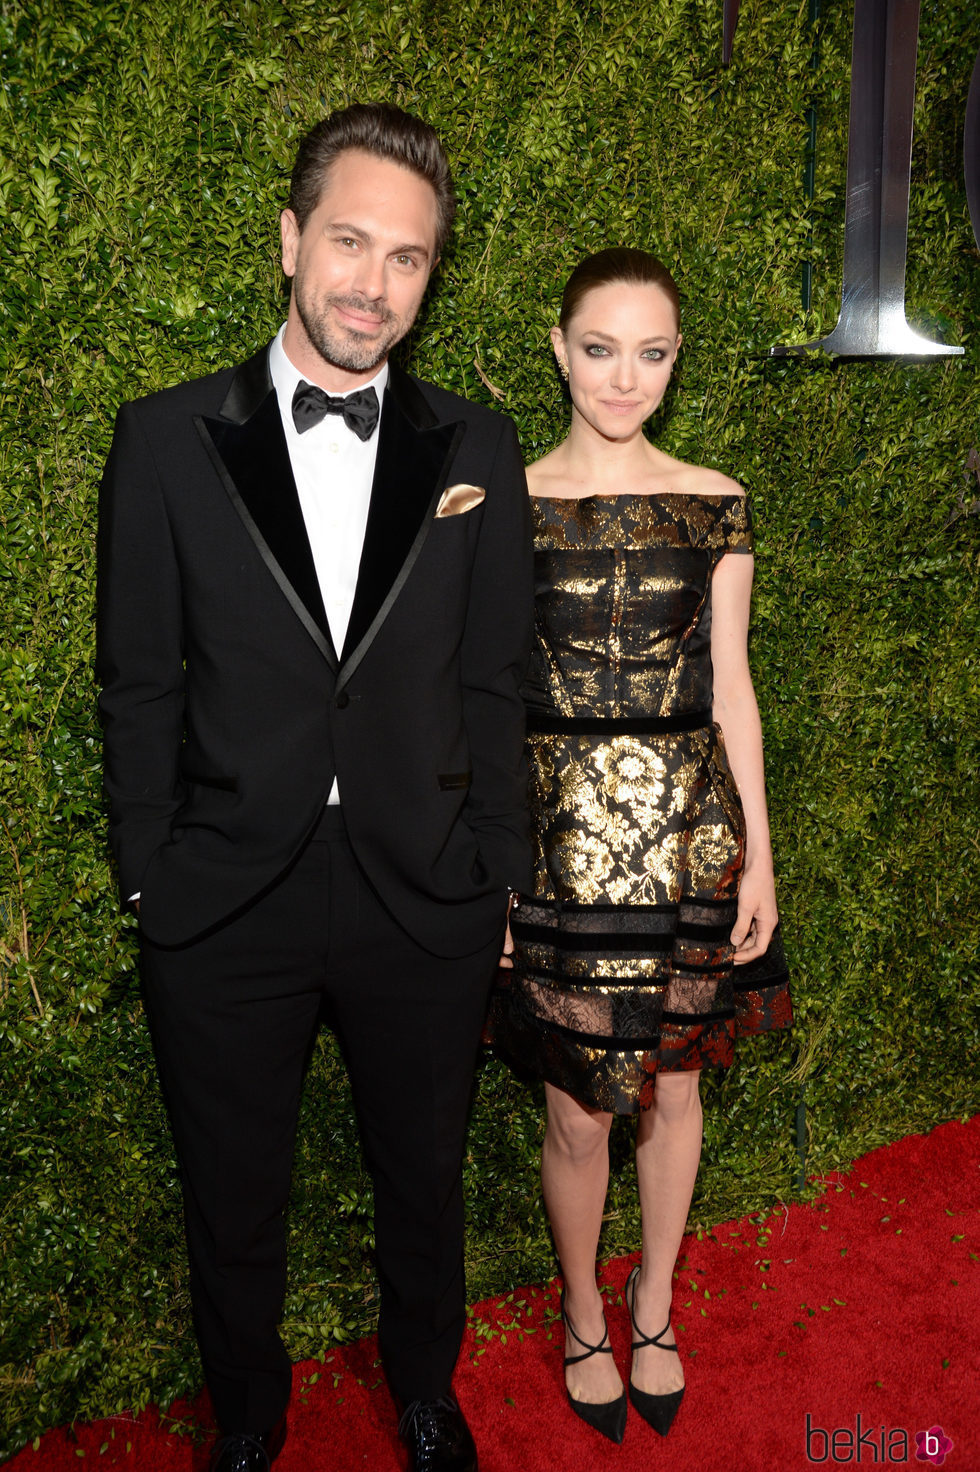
(385, 131)
(619, 263)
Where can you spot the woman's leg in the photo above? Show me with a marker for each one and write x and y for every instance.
(668, 1149)
(574, 1177)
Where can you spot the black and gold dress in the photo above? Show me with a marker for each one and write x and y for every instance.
(623, 962)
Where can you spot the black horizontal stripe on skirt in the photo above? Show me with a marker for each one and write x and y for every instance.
(616, 940)
(651, 1041)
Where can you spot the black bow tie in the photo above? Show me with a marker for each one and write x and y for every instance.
(360, 409)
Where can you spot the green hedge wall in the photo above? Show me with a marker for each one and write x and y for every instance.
(147, 153)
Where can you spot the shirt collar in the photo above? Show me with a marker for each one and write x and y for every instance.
(285, 376)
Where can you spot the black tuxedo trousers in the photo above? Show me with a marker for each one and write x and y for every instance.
(233, 1017)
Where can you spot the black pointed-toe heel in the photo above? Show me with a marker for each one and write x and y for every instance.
(607, 1416)
(657, 1411)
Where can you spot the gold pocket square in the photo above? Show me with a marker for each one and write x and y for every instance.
(457, 499)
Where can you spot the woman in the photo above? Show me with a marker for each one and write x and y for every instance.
(647, 945)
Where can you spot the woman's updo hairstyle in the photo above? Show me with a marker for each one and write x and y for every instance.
(618, 263)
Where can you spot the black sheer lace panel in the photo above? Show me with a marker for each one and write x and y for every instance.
(614, 974)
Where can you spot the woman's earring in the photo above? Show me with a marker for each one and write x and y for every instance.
(563, 369)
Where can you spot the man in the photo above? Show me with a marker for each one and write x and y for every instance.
(312, 627)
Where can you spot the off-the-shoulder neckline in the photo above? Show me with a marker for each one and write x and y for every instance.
(641, 496)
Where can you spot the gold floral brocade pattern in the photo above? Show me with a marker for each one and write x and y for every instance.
(623, 958)
(634, 820)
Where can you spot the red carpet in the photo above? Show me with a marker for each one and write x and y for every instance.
(864, 1304)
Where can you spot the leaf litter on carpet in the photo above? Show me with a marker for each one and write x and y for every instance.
(828, 1334)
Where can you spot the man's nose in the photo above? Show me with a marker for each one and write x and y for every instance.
(369, 277)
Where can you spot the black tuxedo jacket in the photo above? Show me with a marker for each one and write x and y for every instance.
(227, 712)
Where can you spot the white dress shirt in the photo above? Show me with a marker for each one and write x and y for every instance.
(333, 471)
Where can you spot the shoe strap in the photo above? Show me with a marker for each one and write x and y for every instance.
(603, 1347)
(653, 1339)
(643, 1340)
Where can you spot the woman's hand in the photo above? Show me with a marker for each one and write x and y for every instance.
(508, 950)
(757, 916)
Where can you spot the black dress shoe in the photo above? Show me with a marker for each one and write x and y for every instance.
(437, 1436)
(657, 1410)
(606, 1416)
(248, 1451)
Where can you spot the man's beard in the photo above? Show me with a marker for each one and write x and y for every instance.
(344, 347)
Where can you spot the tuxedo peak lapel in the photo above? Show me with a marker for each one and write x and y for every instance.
(249, 389)
(415, 450)
(248, 449)
(407, 394)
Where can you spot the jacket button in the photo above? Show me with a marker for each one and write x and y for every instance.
(343, 700)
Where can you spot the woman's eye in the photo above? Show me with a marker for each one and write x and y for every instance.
(595, 350)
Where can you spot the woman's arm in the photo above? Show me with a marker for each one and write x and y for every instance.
(737, 713)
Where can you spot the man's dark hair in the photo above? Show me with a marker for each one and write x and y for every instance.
(381, 129)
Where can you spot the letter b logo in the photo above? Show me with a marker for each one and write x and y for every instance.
(816, 1451)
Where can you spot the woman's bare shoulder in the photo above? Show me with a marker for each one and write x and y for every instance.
(699, 480)
(548, 476)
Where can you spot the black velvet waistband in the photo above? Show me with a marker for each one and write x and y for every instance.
(541, 723)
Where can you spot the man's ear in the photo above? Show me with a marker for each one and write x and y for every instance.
(289, 233)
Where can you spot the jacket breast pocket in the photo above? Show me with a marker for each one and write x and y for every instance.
(214, 780)
(454, 781)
